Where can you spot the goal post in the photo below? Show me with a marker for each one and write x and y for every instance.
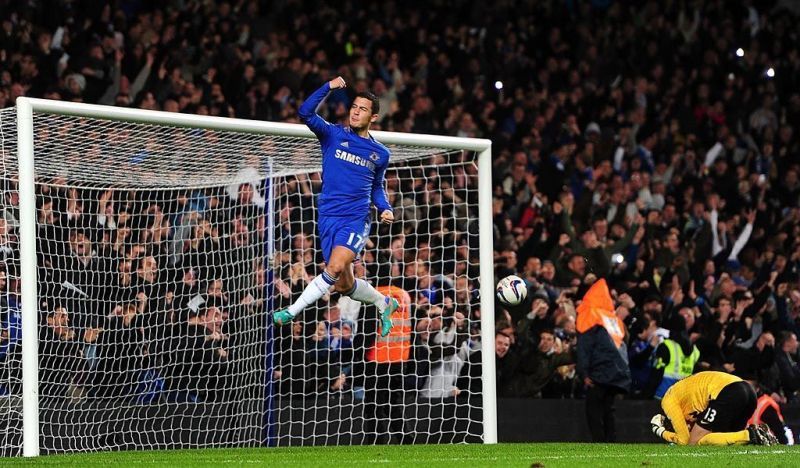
(27, 253)
(300, 155)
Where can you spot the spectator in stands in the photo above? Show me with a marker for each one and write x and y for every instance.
(448, 350)
(149, 291)
(120, 352)
(61, 353)
(11, 208)
(7, 246)
(539, 318)
(644, 340)
(675, 357)
(200, 368)
(82, 276)
(506, 362)
(538, 365)
(787, 304)
(788, 364)
(328, 351)
(290, 359)
(11, 332)
(755, 362)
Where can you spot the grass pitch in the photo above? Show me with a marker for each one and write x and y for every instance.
(438, 456)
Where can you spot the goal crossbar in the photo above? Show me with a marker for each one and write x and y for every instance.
(125, 114)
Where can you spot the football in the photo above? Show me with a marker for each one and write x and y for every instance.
(511, 290)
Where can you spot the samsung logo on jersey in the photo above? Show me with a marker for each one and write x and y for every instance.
(352, 158)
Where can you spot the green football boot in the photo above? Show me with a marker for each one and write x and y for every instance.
(386, 315)
(282, 317)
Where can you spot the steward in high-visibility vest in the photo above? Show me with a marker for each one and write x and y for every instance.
(396, 346)
(679, 366)
(768, 412)
(602, 359)
(385, 386)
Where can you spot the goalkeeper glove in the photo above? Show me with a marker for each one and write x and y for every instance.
(657, 424)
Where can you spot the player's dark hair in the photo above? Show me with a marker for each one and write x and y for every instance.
(376, 104)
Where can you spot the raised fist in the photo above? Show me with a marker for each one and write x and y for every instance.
(337, 83)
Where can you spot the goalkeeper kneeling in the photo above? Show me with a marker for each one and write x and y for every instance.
(710, 408)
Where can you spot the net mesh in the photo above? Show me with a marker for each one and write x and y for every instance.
(161, 252)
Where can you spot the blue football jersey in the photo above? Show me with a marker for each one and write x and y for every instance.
(353, 167)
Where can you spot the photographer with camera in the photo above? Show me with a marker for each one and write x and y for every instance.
(447, 341)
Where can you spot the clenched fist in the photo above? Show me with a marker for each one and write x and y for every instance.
(337, 83)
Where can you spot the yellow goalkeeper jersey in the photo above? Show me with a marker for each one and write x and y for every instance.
(693, 393)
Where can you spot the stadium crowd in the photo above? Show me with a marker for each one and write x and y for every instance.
(653, 144)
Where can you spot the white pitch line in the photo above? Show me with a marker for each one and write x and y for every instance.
(666, 454)
(584, 456)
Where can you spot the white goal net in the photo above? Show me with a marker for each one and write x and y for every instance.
(161, 252)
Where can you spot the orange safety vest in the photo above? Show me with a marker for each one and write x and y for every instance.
(597, 308)
(764, 402)
(396, 346)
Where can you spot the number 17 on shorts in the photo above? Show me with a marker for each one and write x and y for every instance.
(356, 241)
(338, 232)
